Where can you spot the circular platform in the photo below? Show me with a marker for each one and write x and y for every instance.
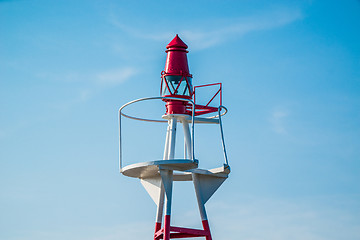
(151, 169)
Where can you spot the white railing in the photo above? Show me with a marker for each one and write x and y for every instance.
(165, 121)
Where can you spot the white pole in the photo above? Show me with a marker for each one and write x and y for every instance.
(187, 138)
(185, 150)
(172, 138)
(166, 148)
(199, 198)
(160, 209)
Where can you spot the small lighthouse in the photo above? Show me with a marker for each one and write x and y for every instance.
(157, 175)
(176, 79)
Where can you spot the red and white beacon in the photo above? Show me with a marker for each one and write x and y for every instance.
(177, 81)
(158, 176)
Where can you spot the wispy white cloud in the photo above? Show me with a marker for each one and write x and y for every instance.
(101, 81)
(115, 76)
(239, 27)
(104, 78)
(89, 84)
(84, 95)
(202, 37)
(277, 120)
(139, 33)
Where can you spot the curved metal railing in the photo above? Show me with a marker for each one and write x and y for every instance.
(154, 120)
(165, 121)
(222, 135)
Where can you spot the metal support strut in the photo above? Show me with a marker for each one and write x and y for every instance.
(168, 232)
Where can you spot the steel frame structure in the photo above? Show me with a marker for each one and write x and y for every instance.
(157, 177)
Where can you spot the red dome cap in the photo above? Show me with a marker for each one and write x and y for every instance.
(177, 43)
(176, 61)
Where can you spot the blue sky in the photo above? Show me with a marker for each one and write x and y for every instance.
(291, 77)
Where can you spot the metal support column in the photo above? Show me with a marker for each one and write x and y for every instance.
(160, 210)
(187, 139)
(201, 204)
(167, 178)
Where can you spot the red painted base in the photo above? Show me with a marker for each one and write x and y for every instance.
(170, 232)
(167, 230)
(157, 226)
(206, 227)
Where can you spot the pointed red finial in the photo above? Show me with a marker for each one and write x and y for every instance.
(176, 62)
(177, 43)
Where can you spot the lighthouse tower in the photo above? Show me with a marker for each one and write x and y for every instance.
(158, 176)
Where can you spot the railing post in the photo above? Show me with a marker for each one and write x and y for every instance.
(222, 136)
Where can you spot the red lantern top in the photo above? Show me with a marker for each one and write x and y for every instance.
(177, 42)
(176, 62)
(177, 82)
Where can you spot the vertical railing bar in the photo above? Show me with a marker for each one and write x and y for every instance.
(120, 149)
(220, 94)
(192, 130)
(222, 137)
